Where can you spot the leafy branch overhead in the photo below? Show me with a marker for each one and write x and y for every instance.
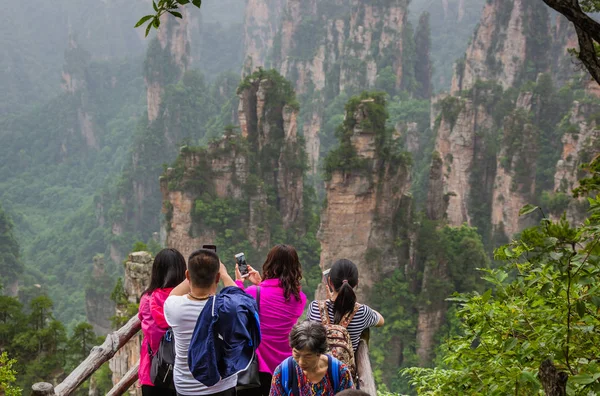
(162, 7)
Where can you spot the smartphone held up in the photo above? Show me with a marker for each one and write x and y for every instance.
(240, 259)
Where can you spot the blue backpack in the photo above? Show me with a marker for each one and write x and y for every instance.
(289, 379)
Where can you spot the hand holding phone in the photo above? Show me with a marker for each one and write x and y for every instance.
(240, 259)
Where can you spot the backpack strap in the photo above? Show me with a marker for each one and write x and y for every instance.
(348, 318)
(289, 379)
(323, 310)
(258, 298)
(333, 370)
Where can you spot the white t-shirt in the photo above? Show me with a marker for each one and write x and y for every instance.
(181, 314)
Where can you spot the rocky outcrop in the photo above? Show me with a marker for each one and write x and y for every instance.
(99, 308)
(326, 47)
(228, 171)
(74, 84)
(502, 44)
(260, 171)
(459, 135)
(171, 45)
(581, 143)
(514, 184)
(261, 25)
(357, 221)
(138, 268)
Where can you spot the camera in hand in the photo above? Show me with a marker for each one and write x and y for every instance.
(240, 259)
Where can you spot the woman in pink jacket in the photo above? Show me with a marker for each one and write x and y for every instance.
(281, 304)
(168, 270)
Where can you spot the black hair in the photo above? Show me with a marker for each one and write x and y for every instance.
(168, 270)
(309, 335)
(203, 266)
(344, 278)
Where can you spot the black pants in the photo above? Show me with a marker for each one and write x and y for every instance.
(265, 387)
(148, 390)
(228, 392)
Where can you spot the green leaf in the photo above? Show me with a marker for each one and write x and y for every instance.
(175, 14)
(510, 344)
(183, 2)
(148, 29)
(546, 288)
(582, 379)
(197, 3)
(143, 19)
(596, 301)
(528, 377)
(525, 210)
(580, 306)
(156, 22)
(486, 296)
(154, 6)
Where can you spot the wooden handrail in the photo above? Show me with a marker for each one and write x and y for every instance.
(97, 357)
(128, 379)
(363, 365)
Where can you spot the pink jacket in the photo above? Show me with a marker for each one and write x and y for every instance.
(277, 317)
(154, 326)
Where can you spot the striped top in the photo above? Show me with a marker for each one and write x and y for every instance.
(365, 317)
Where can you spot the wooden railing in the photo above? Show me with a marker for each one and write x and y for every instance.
(97, 357)
(363, 365)
(117, 339)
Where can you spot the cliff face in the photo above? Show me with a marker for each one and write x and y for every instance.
(258, 175)
(502, 44)
(326, 47)
(75, 85)
(580, 144)
(138, 268)
(261, 24)
(514, 186)
(99, 308)
(359, 221)
(461, 128)
(172, 44)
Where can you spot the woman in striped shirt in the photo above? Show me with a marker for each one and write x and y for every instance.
(341, 281)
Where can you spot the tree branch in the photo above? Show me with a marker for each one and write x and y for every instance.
(588, 32)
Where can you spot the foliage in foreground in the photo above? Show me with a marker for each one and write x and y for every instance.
(542, 304)
(8, 376)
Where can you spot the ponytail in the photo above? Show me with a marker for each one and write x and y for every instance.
(344, 278)
(344, 302)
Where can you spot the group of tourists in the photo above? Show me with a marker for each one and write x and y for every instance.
(218, 336)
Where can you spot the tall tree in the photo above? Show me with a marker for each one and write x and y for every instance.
(423, 61)
(588, 30)
(10, 266)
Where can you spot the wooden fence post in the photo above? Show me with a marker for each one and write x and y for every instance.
(42, 389)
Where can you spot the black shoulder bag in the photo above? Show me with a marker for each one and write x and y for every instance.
(249, 378)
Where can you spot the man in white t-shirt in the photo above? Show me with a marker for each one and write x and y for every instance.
(182, 308)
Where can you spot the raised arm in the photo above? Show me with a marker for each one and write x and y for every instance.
(181, 289)
(227, 281)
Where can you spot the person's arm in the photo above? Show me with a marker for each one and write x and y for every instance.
(381, 320)
(181, 289)
(227, 281)
(372, 317)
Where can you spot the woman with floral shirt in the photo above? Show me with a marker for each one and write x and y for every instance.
(310, 371)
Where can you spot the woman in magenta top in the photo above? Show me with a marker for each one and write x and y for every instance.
(168, 270)
(281, 304)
